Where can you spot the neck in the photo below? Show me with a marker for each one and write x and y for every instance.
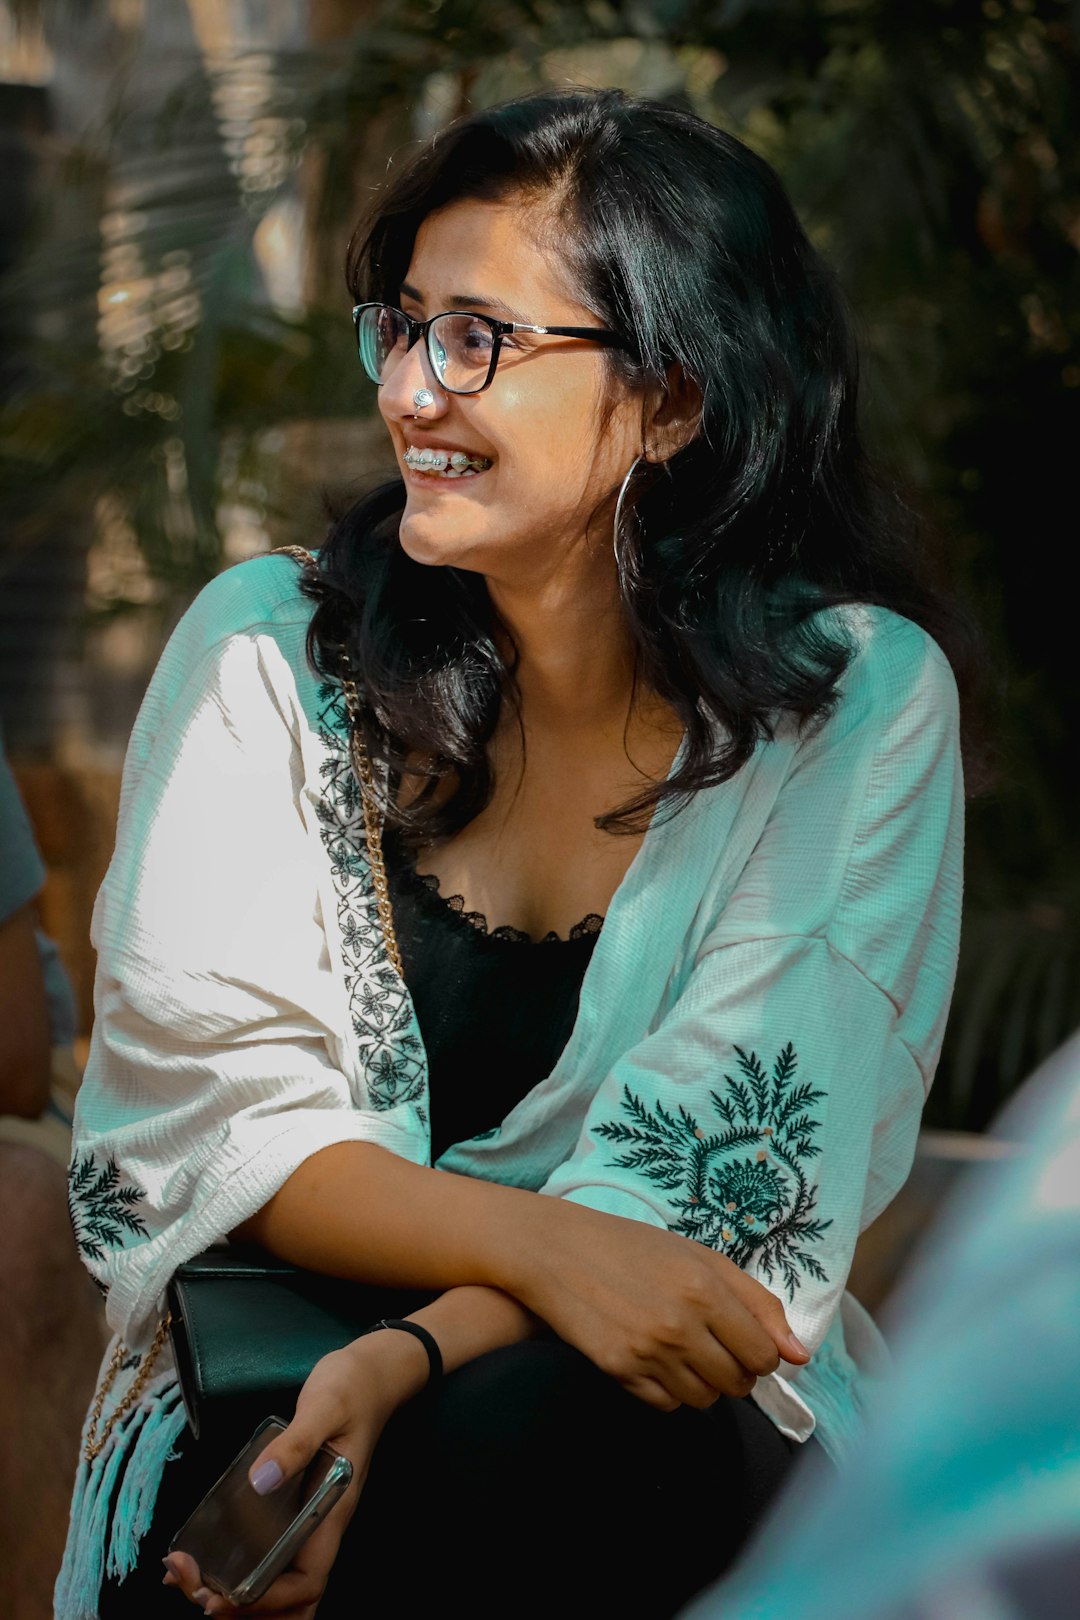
(575, 656)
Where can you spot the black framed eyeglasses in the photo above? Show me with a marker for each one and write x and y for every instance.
(463, 348)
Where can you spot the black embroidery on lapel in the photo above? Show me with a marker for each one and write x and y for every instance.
(757, 1207)
(379, 1008)
(102, 1207)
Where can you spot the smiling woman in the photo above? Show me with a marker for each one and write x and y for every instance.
(589, 1019)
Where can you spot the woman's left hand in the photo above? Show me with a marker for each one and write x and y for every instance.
(346, 1403)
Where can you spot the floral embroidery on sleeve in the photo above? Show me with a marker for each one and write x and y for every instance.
(380, 1010)
(741, 1187)
(102, 1208)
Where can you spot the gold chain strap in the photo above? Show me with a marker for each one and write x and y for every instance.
(94, 1440)
(365, 776)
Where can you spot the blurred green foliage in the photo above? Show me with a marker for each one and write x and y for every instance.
(929, 146)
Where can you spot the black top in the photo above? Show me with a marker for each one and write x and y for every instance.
(495, 1008)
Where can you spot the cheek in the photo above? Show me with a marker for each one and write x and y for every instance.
(547, 443)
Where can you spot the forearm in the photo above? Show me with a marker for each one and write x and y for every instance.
(359, 1211)
(464, 1322)
(24, 1019)
(667, 1317)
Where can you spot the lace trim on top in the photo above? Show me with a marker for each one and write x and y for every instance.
(428, 883)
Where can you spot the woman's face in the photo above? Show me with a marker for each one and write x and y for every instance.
(540, 422)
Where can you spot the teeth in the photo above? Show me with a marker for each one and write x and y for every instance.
(450, 464)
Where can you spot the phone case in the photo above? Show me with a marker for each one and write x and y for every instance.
(242, 1541)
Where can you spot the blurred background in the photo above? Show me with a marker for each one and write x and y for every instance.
(179, 387)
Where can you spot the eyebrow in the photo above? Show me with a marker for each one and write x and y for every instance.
(471, 301)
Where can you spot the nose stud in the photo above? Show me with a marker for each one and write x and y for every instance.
(422, 397)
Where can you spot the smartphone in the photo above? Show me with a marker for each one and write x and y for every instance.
(242, 1541)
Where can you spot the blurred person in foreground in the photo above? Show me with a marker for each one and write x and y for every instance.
(962, 1501)
(664, 742)
(52, 1320)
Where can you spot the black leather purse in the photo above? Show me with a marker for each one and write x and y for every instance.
(246, 1330)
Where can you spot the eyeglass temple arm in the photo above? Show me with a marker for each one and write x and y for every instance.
(599, 334)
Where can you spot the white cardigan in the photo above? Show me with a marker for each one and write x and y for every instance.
(756, 1032)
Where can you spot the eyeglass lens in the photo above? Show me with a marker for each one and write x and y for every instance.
(459, 347)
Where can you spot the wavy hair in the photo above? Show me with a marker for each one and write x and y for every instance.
(684, 241)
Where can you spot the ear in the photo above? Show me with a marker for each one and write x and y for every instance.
(675, 418)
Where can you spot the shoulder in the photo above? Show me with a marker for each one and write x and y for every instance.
(898, 683)
(895, 657)
(260, 594)
(884, 769)
(239, 651)
(251, 617)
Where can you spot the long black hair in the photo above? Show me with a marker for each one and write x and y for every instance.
(682, 239)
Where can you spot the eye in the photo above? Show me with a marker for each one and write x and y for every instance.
(477, 336)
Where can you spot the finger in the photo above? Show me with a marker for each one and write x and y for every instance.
(700, 1374)
(303, 1611)
(187, 1576)
(300, 1587)
(315, 1558)
(767, 1310)
(290, 1594)
(652, 1392)
(718, 1365)
(708, 1372)
(292, 1450)
(736, 1329)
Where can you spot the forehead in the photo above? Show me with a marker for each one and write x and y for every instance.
(491, 254)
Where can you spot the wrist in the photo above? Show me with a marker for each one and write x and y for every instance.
(520, 1242)
(393, 1365)
(536, 1250)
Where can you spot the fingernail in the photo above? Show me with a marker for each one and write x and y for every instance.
(202, 1596)
(169, 1579)
(267, 1477)
(797, 1345)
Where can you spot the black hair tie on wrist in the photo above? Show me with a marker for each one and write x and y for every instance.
(434, 1354)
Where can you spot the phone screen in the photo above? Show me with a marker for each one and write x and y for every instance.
(234, 1529)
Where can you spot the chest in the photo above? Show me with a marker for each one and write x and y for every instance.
(534, 858)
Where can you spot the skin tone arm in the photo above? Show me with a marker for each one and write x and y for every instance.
(24, 1019)
(669, 1319)
(672, 1321)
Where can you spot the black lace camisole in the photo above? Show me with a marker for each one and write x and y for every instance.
(495, 1007)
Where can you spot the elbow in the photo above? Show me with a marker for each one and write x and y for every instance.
(249, 1231)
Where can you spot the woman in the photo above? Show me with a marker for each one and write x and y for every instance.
(669, 770)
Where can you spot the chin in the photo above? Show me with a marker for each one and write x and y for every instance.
(438, 544)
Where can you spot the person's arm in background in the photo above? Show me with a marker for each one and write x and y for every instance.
(24, 1019)
(25, 1039)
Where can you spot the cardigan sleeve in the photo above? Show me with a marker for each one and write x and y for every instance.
(772, 1110)
(216, 1066)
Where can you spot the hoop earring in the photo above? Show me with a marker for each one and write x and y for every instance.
(619, 506)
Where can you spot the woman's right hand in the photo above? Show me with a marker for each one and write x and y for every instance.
(346, 1401)
(672, 1321)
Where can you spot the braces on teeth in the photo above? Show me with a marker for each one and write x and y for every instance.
(440, 460)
